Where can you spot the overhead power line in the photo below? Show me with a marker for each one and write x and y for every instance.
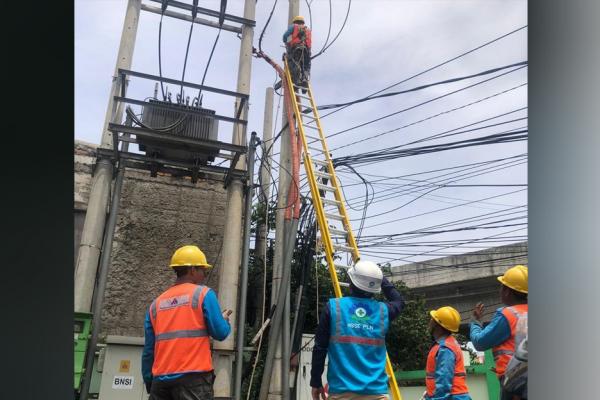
(381, 155)
(437, 65)
(425, 102)
(326, 46)
(415, 89)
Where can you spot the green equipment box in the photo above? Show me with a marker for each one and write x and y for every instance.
(81, 328)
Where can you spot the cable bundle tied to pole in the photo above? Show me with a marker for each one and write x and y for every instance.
(293, 204)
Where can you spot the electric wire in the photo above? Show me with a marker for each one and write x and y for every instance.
(421, 87)
(436, 66)
(262, 33)
(326, 46)
(425, 102)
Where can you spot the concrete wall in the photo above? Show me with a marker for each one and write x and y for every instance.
(462, 281)
(156, 216)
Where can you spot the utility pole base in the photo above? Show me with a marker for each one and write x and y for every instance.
(223, 363)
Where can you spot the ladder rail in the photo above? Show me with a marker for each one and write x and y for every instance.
(334, 180)
(320, 209)
(322, 222)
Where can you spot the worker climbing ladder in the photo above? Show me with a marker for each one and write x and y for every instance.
(332, 218)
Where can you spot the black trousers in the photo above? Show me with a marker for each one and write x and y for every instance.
(194, 386)
(299, 61)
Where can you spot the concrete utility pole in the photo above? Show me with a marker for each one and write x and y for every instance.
(276, 385)
(263, 196)
(95, 218)
(232, 238)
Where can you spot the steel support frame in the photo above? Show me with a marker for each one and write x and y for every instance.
(218, 14)
(140, 161)
(175, 141)
(197, 20)
(143, 75)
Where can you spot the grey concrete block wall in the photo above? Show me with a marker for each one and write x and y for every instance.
(156, 216)
(461, 281)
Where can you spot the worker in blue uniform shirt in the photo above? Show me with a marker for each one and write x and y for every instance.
(351, 333)
(445, 377)
(500, 334)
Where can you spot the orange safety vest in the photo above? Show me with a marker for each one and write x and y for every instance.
(504, 352)
(459, 383)
(297, 38)
(181, 337)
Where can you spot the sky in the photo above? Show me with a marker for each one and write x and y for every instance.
(383, 42)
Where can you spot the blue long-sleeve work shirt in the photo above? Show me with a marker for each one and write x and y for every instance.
(287, 33)
(445, 361)
(395, 305)
(494, 334)
(217, 326)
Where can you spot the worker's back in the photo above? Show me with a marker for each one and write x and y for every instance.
(357, 352)
(182, 341)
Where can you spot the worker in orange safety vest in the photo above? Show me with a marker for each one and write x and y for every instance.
(445, 377)
(298, 43)
(176, 360)
(500, 333)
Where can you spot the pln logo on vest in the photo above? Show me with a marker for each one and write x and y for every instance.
(360, 313)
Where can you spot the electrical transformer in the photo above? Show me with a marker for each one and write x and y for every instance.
(172, 121)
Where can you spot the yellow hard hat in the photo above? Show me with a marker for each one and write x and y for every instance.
(189, 256)
(447, 317)
(516, 278)
(298, 18)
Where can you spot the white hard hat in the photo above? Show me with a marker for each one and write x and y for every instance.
(367, 276)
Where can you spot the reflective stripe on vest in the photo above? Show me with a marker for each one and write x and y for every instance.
(459, 384)
(153, 309)
(181, 336)
(504, 352)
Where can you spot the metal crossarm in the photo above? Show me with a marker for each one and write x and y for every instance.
(323, 181)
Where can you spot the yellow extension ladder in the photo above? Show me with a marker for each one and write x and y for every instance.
(332, 217)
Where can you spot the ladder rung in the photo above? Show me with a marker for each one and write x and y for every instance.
(322, 174)
(343, 248)
(330, 202)
(325, 187)
(344, 284)
(304, 97)
(323, 163)
(343, 266)
(335, 232)
(316, 149)
(310, 127)
(334, 216)
(340, 232)
(299, 87)
(312, 137)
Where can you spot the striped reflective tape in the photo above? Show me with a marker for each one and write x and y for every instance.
(182, 334)
(153, 309)
(338, 317)
(501, 352)
(358, 340)
(196, 296)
